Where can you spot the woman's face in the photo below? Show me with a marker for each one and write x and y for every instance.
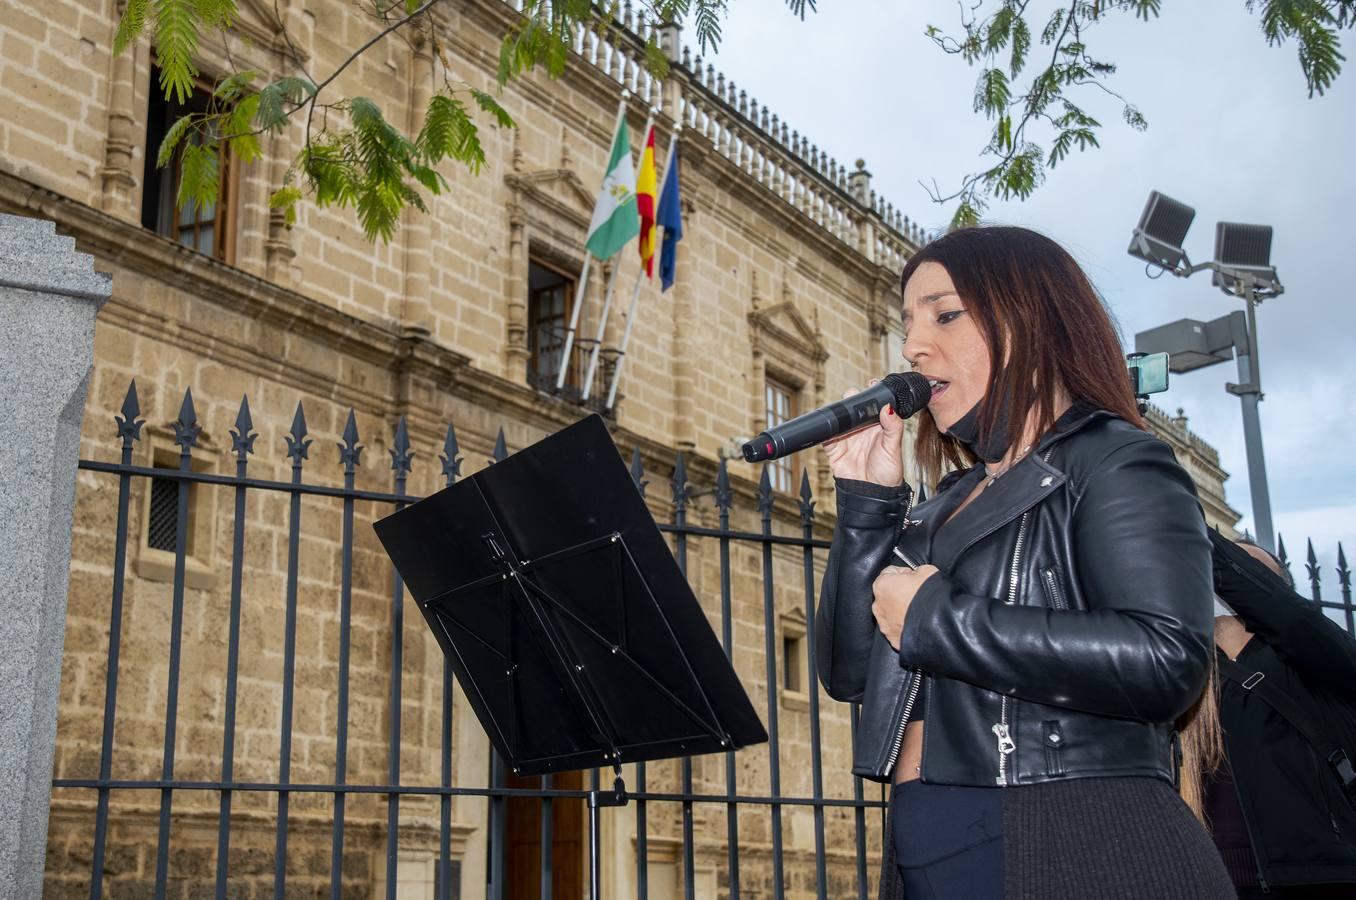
(942, 341)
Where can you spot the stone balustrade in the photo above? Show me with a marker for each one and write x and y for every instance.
(759, 142)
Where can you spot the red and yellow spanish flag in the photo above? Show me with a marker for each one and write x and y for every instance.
(647, 198)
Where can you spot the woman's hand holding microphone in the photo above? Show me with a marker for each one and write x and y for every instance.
(875, 454)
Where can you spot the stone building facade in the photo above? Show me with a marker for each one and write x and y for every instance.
(786, 295)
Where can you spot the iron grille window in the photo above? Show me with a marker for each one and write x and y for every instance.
(209, 229)
(781, 407)
(549, 306)
(164, 516)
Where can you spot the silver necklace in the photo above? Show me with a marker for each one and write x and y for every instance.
(1003, 471)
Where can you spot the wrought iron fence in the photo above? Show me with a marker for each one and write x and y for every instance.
(175, 485)
(170, 490)
(1314, 577)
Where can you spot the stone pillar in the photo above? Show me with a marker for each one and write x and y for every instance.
(125, 132)
(516, 352)
(859, 186)
(417, 316)
(49, 295)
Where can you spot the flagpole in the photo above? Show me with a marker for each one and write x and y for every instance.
(602, 324)
(635, 294)
(584, 276)
(607, 303)
(626, 337)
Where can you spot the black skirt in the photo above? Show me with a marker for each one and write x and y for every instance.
(1103, 838)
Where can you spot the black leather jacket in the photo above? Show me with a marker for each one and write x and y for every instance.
(1070, 624)
(1301, 827)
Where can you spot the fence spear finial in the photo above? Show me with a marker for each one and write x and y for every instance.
(451, 462)
(242, 440)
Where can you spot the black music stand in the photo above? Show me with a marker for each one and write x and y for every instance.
(565, 617)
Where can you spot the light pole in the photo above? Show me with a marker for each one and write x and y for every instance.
(1241, 268)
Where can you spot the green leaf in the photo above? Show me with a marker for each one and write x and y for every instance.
(992, 94)
(130, 26)
(239, 129)
(272, 115)
(656, 62)
(176, 43)
(449, 132)
(233, 86)
(490, 105)
(216, 13)
(171, 141)
(966, 215)
(286, 199)
(1052, 27)
(1021, 44)
(200, 175)
(331, 176)
(999, 31)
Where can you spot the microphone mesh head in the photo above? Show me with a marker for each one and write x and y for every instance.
(912, 392)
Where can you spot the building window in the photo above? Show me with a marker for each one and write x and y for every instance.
(209, 229)
(163, 526)
(156, 557)
(550, 303)
(795, 662)
(781, 407)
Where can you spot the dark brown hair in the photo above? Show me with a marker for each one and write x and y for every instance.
(1033, 305)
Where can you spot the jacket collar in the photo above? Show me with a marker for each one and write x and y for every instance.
(1023, 486)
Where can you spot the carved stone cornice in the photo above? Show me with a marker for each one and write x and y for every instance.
(532, 187)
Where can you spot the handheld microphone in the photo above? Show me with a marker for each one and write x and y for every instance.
(906, 393)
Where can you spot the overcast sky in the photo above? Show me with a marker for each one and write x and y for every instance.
(1232, 132)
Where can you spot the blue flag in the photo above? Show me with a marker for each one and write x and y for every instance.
(670, 216)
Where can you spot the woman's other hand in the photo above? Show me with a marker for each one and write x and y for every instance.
(872, 454)
(895, 588)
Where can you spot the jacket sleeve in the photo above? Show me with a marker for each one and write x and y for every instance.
(1142, 648)
(869, 520)
(1307, 640)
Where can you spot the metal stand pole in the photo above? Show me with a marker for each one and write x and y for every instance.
(1250, 394)
(597, 800)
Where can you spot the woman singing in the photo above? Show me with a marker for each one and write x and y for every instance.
(1019, 687)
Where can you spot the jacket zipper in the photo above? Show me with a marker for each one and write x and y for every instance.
(1006, 745)
(898, 742)
(1056, 596)
(1323, 775)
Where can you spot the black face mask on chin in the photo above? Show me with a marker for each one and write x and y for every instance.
(989, 448)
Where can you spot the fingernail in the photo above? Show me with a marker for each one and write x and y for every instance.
(889, 411)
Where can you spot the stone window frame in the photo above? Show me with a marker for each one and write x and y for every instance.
(789, 350)
(785, 472)
(227, 216)
(546, 256)
(152, 564)
(792, 629)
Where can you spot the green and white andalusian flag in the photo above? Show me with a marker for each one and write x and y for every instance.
(615, 217)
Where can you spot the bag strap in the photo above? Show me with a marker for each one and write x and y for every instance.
(1283, 703)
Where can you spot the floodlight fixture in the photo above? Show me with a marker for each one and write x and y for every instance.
(1244, 252)
(1161, 231)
